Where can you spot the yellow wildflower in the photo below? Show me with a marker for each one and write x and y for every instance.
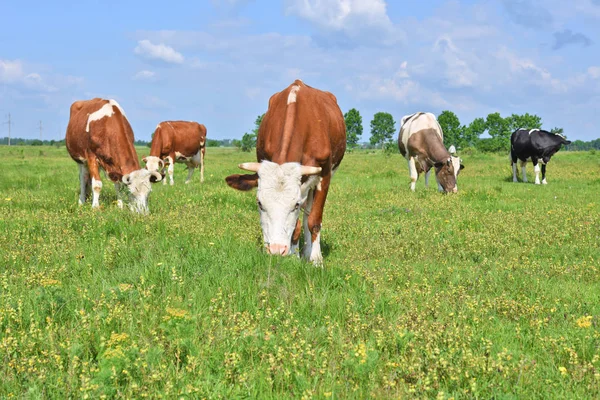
(585, 322)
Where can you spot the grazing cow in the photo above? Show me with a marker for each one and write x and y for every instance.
(178, 142)
(421, 142)
(99, 136)
(300, 144)
(533, 145)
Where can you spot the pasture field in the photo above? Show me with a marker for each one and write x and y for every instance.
(490, 293)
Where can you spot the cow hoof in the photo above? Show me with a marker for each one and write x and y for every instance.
(515, 180)
(544, 182)
(537, 182)
(171, 183)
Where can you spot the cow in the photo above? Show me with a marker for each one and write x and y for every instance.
(100, 137)
(533, 145)
(421, 142)
(177, 142)
(301, 142)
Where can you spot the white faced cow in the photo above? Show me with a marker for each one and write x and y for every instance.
(99, 136)
(533, 145)
(421, 142)
(177, 142)
(301, 142)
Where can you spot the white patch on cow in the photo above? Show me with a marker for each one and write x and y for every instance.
(105, 111)
(280, 194)
(319, 188)
(201, 143)
(96, 189)
(293, 94)
(452, 150)
(114, 103)
(315, 255)
(536, 169)
(533, 130)
(171, 169)
(414, 174)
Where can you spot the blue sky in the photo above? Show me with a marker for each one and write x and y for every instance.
(219, 61)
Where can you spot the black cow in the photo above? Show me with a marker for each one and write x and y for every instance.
(533, 145)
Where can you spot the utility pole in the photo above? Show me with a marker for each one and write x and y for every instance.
(40, 130)
(8, 122)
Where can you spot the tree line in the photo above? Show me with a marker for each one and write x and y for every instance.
(383, 133)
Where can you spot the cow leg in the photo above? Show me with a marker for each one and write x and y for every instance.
(96, 182)
(307, 233)
(118, 189)
(414, 174)
(171, 168)
(427, 177)
(544, 182)
(315, 219)
(524, 171)
(191, 167)
(84, 183)
(536, 169)
(202, 164)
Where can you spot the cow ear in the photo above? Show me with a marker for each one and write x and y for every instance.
(462, 166)
(115, 176)
(242, 182)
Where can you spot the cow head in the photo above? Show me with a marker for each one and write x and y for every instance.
(279, 197)
(446, 174)
(154, 164)
(139, 185)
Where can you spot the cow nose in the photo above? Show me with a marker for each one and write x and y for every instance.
(278, 249)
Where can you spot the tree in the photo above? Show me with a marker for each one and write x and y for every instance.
(248, 141)
(499, 130)
(354, 128)
(525, 121)
(471, 133)
(451, 127)
(382, 129)
(558, 131)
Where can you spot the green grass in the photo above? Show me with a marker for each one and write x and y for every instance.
(483, 294)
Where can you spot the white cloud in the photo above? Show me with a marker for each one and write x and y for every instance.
(149, 50)
(594, 72)
(11, 71)
(145, 75)
(357, 19)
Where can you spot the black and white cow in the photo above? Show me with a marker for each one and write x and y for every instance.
(534, 145)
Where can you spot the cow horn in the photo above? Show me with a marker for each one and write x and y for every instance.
(250, 166)
(157, 175)
(306, 170)
(125, 179)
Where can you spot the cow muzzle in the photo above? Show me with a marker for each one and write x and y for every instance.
(278, 249)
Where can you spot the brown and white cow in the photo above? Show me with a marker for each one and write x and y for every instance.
(99, 136)
(421, 142)
(301, 142)
(178, 142)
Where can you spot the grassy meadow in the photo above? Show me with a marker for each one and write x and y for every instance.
(490, 293)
